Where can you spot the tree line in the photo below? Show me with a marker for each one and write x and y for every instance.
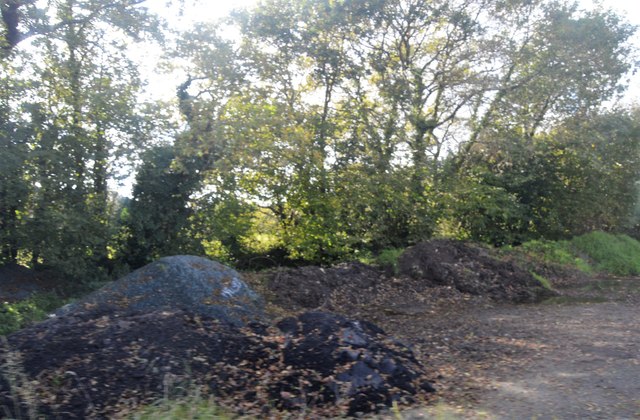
(312, 131)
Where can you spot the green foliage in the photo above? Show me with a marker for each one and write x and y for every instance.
(578, 178)
(14, 316)
(556, 252)
(321, 130)
(486, 213)
(543, 280)
(388, 259)
(157, 219)
(615, 254)
(191, 407)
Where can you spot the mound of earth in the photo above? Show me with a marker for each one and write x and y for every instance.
(430, 276)
(470, 269)
(105, 364)
(313, 287)
(195, 284)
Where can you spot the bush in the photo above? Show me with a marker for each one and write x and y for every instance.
(615, 254)
(388, 259)
(14, 316)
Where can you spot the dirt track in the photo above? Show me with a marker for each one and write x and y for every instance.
(571, 360)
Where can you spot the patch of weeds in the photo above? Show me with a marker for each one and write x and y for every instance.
(614, 254)
(14, 316)
(388, 259)
(543, 280)
(556, 252)
(193, 406)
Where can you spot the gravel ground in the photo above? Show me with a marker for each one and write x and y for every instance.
(574, 358)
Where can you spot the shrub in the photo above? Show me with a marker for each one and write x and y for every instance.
(14, 316)
(388, 259)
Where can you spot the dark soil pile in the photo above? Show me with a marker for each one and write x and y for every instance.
(471, 269)
(314, 287)
(103, 364)
(431, 277)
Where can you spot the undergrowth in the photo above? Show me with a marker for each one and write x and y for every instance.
(556, 252)
(593, 252)
(388, 258)
(192, 407)
(14, 316)
(614, 254)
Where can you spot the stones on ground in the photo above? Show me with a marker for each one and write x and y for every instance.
(197, 285)
(88, 366)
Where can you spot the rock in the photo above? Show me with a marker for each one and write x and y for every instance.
(317, 364)
(193, 284)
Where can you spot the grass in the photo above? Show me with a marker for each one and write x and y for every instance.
(618, 255)
(190, 407)
(614, 254)
(556, 252)
(14, 316)
(543, 280)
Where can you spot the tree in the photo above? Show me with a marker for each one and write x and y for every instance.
(14, 185)
(356, 124)
(26, 19)
(559, 63)
(580, 177)
(157, 218)
(72, 112)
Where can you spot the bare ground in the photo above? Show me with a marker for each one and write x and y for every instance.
(575, 357)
